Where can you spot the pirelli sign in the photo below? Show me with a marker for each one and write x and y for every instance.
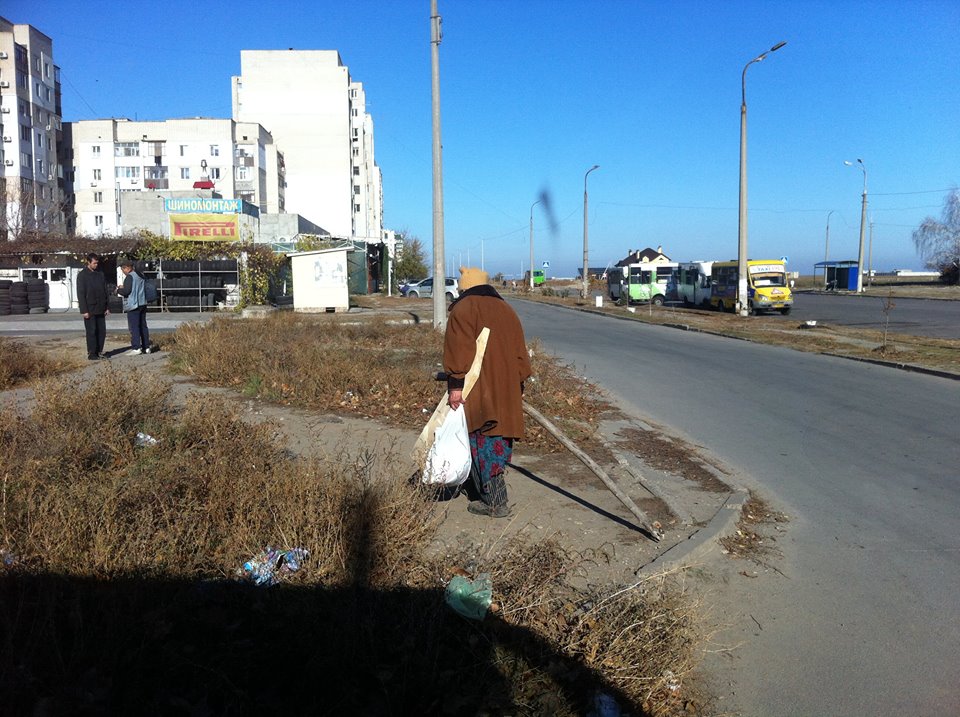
(204, 227)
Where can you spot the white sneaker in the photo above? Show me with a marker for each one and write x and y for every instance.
(148, 350)
(134, 352)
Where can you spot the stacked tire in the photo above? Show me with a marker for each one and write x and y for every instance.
(38, 296)
(5, 297)
(19, 298)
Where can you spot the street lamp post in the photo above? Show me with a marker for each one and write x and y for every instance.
(826, 250)
(742, 305)
(531, 240)
(863, 223)
(586, 253)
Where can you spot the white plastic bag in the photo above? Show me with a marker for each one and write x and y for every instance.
(448, 460)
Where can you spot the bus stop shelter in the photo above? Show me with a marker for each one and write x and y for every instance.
(837, 275)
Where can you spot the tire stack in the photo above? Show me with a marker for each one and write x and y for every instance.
(38, 296)
(5, 297)
(19, 299)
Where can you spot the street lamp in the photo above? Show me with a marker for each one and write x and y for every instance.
(826, 250)
(863, 222)
(531, 240)
(586, 254)
(742, 305)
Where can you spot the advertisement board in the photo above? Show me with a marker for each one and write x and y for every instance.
(204, 227)
(207, 205)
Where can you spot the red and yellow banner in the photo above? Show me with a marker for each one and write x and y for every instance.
(204, 227)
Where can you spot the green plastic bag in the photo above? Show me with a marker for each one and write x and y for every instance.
(470, 598)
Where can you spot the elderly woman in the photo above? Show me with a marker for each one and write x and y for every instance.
(494, 410)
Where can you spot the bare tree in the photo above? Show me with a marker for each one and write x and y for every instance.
(938, 242)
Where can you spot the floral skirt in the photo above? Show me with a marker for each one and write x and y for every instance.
(490, 456)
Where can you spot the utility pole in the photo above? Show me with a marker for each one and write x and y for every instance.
(586, 254)
(531, 240)
(439, 275)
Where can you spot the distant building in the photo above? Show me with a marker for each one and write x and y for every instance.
(113, 159)
(31, 181)
(317, 116)
(644, 256)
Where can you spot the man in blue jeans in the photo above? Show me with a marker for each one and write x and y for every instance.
(133, 291)
(93, 301)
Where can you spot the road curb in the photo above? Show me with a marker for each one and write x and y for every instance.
(699, 544)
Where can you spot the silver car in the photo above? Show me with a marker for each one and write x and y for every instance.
(424, 289)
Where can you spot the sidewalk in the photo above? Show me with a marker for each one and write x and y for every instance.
(71, 322)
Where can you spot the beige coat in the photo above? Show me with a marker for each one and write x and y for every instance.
(495, 404)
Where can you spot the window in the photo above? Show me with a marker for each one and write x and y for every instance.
(36, 62)
(155, 172)
(24, 110)
(21, 80)
(40, 139)
(46, 69)
(356, 171)
(184, 172)
(356, 208)
(215, 173)
(214, 150)
(126, 149)
(97, 175)
(354, 111)
(98, 220)
(183, 150)
(40, 167)
(241, 174)
(356, 189)
(98, 197)
(95, 150)
(356, 151)
(24, 133)
(127, 172)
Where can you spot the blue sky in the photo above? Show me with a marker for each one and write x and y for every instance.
(536, 92)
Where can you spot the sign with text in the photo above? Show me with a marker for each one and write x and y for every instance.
(204, 227)
(203, 204)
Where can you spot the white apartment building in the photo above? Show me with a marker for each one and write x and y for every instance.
(318, 118)
(31, 180)
(113, 157)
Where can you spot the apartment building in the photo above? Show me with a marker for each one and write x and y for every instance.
(317, 116)
(31, 180)
(112, 158)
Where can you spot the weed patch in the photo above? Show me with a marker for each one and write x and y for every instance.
(20, 364)
(371, 368)
(121, 592)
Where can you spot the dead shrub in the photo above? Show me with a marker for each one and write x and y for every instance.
(20, 364)
(370, 368)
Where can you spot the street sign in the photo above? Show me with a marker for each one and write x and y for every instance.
(785, 259)
(546, 265)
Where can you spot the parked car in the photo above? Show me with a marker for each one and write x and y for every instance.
(424, 289)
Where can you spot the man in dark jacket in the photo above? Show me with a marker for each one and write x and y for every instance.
(93, 300)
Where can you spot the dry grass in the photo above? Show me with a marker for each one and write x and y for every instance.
(751, 541)
(122, 594)
(20, 364)
(372, 368)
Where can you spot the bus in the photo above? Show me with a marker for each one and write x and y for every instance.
(539, 277)
(693, 283)
(649, 282)
(767, 286)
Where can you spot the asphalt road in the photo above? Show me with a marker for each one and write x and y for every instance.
(920, 317)
(863, 458)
